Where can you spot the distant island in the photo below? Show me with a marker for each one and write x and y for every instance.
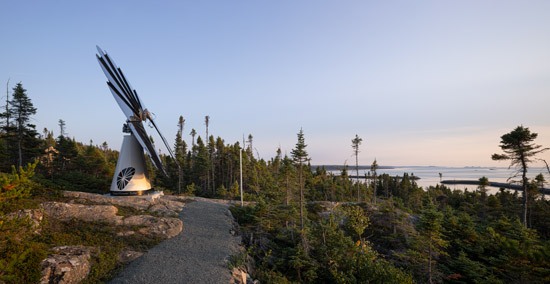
(341, 167)
(493, 184)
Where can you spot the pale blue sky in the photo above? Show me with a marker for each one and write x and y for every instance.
(422, 82)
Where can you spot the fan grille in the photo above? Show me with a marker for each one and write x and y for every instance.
(124, 177)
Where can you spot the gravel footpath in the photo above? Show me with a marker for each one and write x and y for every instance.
(198, 254)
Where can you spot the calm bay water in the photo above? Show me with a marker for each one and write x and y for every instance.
(430, 175)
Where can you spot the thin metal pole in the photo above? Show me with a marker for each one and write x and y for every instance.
(241, 166)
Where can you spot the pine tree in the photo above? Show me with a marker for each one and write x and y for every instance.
(519, 148)
(62, 127)
(427, 246)
(201, 166)
(249, 148)
(430, 228)
(300, 156)
(355, 142)
(193, 133)
(179, 149)
(67, 152)
(21, 136)
(373, 169)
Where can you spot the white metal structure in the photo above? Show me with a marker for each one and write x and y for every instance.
(131, 176)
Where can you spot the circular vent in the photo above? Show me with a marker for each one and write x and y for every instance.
(124, 177)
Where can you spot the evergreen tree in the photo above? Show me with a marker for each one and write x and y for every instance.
(288, 173)
(62, 128)
(300, 156)
(430, 242)
(373, 169)
(193, 133)
(540, 180)
(67, 152)
(483, 184)
(200, 166)
(50, 153)
(21, 137)
(355, 142)
(249, 148)
(519, 148)
(180, 148)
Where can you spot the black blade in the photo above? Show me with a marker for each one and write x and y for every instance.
(132, 92)
(144, 140)
(131, 105)
(120, 91)
(123, 84)
(122, 97)
(164, 140)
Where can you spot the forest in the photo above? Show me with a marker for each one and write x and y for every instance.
(303, 223)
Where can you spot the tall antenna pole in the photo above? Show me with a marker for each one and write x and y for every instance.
(241, 167)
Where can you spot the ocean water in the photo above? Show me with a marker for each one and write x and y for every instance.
(429, 176)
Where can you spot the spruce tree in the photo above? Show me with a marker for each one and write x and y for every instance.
(373, 169)
(519, 148)
(355, 142)
(300, 156)
(180, 148)
(20, 136)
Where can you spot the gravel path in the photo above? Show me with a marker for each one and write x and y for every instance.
(198, 254)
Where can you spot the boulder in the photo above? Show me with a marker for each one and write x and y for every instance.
(176, 199)
(162, 210)
(87, 213)
(136, 202)
(239, 276)
(157, 203)
(161, 227)
(173, 205)
(67, 264)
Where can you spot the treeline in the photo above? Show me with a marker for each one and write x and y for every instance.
(399, 233)
(308, 225)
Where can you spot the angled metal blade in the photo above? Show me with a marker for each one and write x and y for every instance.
(164, 140)
(131, 105)
(114, 72)
(141, 135)
(120, 87)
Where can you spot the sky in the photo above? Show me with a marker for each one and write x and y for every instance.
(421, 82)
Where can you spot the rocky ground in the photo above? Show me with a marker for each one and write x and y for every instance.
(199, 254)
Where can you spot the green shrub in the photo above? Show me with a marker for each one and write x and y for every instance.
(15, 186)
(20, 252)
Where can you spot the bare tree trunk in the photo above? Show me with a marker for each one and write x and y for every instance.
(301, 200)
(374, 189)
(7, 104)
(542, 185)
(357, 175)
(287, 199)
(430, 262)
(19, 141)
(524, 186)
